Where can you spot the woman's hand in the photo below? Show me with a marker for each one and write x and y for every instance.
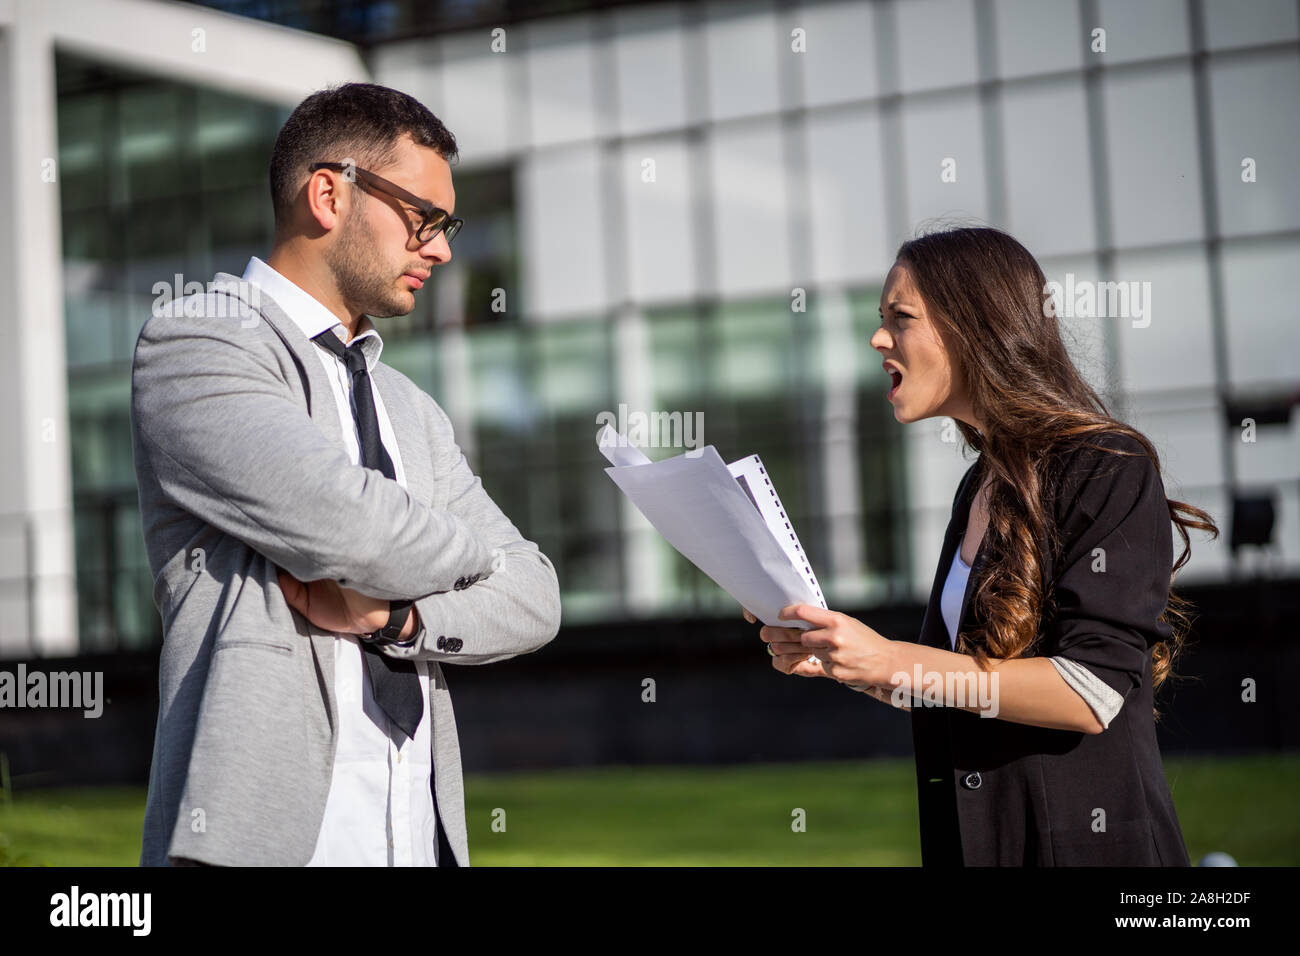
(788, 655)
(850, 652)
(792, 648)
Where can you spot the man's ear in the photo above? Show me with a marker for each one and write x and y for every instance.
(325, 203)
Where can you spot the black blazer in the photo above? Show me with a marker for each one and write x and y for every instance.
(996, 793)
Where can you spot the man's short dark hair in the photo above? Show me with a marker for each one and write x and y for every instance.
(358, 121)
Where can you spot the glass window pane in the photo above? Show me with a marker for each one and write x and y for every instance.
(478, 101)
(501, 394)
(234, 136)
(1259, 299)
(158, 234)
(411, 66)
(677, 344)
(757, 352)
(563, 219)
(1255, 115)
(650, 64)
(155, 121)
(1140, 31)
(575, 505)
(1231, 23)
(88, 326)
(90, 255)
(661, 229)
(850, 238)
(416, 358)
(1172, 346)
(1188, 436)
(1036, 37)
(573, 369)
(1049, 199)
(239, 221)
(750, 209)
(83, 154)
(840, 62)
(936, 131)
(506, 427)
(561, 81)
(741, 47)
(1155, 170)
(936, 44)
(1083, 330)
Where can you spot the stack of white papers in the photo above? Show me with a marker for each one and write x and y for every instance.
(727, 520)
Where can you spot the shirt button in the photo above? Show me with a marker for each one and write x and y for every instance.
(399, 756)
(972, 781)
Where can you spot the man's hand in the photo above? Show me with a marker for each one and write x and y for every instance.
(332, 607)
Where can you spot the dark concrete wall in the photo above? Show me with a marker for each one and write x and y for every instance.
(579, 702)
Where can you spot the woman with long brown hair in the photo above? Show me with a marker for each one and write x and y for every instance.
(1051, 621)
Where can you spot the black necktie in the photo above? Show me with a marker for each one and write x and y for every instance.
(394, 683)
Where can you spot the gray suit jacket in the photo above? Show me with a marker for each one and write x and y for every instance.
(241, 467)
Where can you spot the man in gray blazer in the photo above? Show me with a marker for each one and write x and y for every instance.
(318, 542)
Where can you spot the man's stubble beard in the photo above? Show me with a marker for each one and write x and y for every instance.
(360, 273)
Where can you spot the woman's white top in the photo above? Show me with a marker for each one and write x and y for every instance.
(954, 590)
(1100, 696)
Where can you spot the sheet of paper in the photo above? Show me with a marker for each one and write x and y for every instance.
(757, 484)
(700, 509)
(618, 450)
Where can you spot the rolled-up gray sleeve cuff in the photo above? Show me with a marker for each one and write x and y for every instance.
(1104, 700)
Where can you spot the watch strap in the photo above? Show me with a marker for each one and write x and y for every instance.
(391, 633)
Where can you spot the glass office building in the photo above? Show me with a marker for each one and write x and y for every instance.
(691, 208)
(162, 184)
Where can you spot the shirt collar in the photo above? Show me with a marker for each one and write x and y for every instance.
(309, 314)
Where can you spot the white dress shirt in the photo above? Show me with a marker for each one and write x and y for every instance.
(379, 811)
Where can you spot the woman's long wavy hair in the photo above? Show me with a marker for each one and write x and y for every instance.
(990, 302)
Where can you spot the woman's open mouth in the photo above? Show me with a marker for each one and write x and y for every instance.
(896, 377)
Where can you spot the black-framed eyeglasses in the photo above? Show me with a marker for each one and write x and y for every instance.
(435, 220)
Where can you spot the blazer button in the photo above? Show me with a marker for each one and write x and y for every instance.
(972, 781)
(442, 641)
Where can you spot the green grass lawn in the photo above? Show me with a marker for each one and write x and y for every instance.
(854, 813)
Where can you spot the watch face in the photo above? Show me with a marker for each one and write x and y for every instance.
(397, 615)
